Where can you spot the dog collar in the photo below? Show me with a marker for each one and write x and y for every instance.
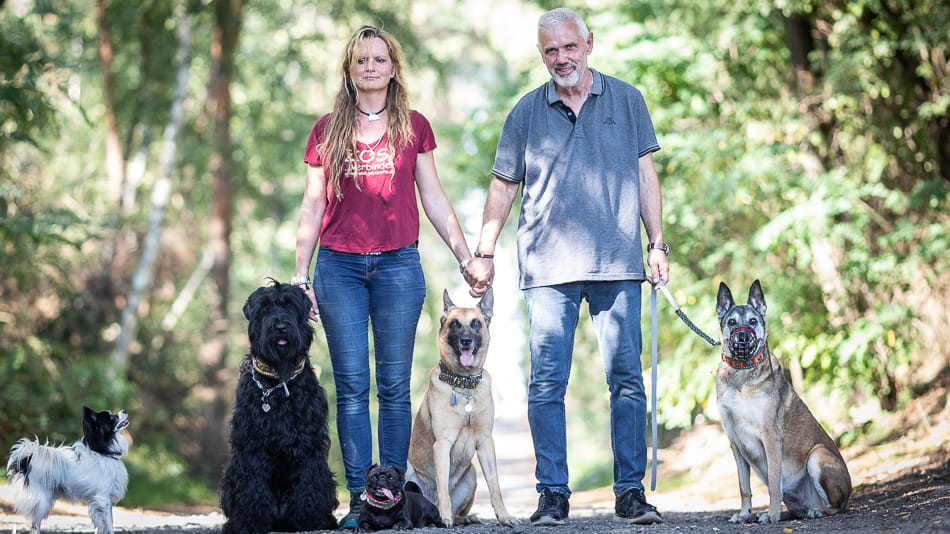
(256, 366)
(748, 363)
(381, 504)
(268, 371)
(457, 380)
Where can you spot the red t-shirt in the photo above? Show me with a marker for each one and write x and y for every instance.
(382, 213)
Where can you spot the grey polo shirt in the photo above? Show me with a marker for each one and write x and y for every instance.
(580, 210)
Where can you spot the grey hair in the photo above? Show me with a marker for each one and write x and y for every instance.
(562, 15)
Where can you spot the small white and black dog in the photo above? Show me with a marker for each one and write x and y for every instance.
(88, 471)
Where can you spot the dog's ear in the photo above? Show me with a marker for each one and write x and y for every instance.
(724, 300)
(487, 304)
(446, 301)
(757, 297)
(370, 469)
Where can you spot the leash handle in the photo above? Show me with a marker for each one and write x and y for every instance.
(654, 349)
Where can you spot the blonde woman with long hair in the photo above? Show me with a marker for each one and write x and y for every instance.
(366, 160)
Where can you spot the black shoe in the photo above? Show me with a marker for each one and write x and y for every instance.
(553, 508)
(632, 507)
(351, 519)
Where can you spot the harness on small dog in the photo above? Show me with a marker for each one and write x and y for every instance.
(382, 504)
(259, 367)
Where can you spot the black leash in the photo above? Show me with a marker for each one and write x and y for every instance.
(682, 315)
(654, 350)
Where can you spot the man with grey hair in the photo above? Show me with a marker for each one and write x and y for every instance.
(581, 146)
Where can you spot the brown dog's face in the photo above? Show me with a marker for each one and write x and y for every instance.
(463, 335)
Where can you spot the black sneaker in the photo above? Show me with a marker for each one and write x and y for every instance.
(632, 507)
(553, 508)
(351, 519)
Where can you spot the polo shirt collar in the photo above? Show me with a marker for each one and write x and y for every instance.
(596, 88)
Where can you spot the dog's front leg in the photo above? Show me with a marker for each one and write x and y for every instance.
(773, 462)
(100, 511)
(487, 460)
(442, 458)
(745, 489)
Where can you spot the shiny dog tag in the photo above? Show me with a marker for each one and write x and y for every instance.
(453, 400)
(265, 407)
(468, 406)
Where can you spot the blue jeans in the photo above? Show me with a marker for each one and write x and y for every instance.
(553, 314)
(353, 292)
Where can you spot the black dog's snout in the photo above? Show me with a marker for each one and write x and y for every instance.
(281, 328)
(466, 342)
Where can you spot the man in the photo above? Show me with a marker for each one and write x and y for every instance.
(581, 146)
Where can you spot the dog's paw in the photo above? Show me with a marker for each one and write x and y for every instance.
(509, 520)
(765, 518)
(743, 517)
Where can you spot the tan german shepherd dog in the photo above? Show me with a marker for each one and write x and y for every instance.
(769, 427)
(455, 419)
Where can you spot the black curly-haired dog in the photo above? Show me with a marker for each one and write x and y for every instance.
(277, 478)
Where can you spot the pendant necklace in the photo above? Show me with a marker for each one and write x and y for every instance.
(371, 116)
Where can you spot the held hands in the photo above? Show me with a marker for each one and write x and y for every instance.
(479, 274)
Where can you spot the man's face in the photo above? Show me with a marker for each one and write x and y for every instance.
(565, 53)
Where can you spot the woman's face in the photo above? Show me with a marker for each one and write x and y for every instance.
(372, 68)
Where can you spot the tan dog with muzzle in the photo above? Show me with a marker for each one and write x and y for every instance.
(769, 427)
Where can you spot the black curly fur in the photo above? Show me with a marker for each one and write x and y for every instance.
(277, 478)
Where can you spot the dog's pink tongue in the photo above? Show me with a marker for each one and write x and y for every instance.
(467, 358)
(387, 493)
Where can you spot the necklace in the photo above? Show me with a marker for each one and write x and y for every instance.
(372, 147)
(372, 116)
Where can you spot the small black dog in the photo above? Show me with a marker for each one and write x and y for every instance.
(89, 471)
(278, 478)
(392, 503)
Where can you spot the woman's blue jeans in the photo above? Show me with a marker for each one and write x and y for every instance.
(353, 292)
(553, 314)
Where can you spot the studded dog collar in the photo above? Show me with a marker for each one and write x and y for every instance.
(457, 380)
(749, 362)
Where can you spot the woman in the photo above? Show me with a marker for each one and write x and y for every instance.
(365, 161)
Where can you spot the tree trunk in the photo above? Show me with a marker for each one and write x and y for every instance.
(115, 165)
(142, 278)
(212, 426)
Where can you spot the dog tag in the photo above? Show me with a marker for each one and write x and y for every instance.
(265, 407)
(468, 406)
(454, 400)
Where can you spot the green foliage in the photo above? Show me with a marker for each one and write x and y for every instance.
(823, 174)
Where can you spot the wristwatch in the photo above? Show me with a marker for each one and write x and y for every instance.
(300, 281)
(665, 247)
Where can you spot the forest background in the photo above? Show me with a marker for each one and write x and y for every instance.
(151, 171)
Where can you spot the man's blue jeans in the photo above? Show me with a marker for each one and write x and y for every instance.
(353, 292)
(553, 314)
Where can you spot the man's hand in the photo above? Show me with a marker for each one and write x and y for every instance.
(479, 274)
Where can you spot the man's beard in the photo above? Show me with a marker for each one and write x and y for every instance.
(571, 80)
